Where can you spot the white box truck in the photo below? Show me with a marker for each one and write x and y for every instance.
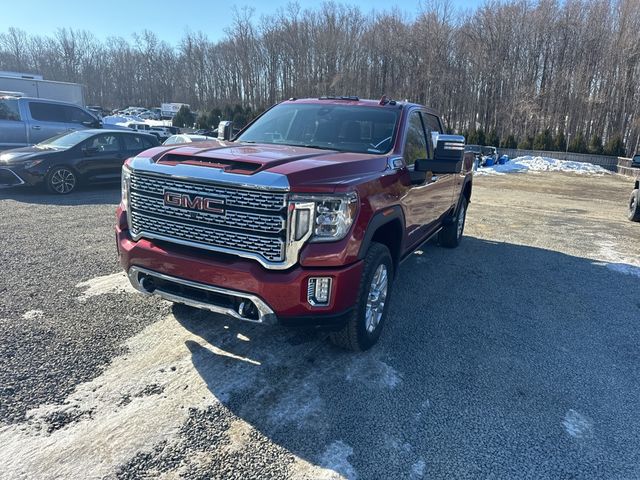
(34, 86)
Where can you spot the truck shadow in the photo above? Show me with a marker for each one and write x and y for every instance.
(85, 195)
(495, 356)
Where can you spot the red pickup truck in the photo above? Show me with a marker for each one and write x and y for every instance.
(302, 219)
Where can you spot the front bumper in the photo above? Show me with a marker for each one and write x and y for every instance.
(16, 175)
(9, 178)
(280, 296)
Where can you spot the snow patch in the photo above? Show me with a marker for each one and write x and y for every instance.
(114, 283)
(336, 458)
(298, 406)
(371, 371)
(418, 468)
(617, 262)
(577, 425)
(543, 164)
(93, 446)
(624, 268)
(33, 314)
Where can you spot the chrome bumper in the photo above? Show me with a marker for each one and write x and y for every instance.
(247, 307)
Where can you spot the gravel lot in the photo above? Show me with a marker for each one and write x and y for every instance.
(513, 356)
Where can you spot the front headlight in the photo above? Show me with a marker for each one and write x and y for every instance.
(329, 217)
(126, 183)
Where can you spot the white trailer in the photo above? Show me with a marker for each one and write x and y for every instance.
(28, 85)
(169, 110)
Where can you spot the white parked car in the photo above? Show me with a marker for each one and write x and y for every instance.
(186, 138)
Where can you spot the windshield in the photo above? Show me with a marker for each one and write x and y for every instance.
(66, 140)
(472, 148)
(332, 127)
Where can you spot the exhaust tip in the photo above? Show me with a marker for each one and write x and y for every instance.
(147, 284)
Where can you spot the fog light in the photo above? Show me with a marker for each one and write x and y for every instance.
(319, 291)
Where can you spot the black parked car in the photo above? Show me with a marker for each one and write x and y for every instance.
(63, 162)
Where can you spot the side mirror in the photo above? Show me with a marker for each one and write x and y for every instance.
(449, 154)
(448, 157)
(225, 130)
(93, 124)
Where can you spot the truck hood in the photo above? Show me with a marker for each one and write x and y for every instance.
(306, 169)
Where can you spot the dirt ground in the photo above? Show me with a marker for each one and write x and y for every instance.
(515, 355)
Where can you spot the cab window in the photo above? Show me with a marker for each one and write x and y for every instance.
(415, 146)
(9, 109)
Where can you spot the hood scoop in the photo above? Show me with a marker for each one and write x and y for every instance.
(228, 165)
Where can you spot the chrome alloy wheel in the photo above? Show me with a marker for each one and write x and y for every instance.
(377, 297)
(63, 180)
(461, 218)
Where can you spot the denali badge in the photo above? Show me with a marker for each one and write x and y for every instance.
(193, 202)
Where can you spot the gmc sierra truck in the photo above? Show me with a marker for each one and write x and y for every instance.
(302, 219)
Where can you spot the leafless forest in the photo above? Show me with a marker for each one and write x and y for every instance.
(534, 73)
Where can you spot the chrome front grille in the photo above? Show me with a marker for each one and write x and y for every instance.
(233, 196)
(252, 223)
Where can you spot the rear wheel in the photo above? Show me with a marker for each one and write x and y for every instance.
(365, 323)
(61, 180)
(451, 234)
(634, 206)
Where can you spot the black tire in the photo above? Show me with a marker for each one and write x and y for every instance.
(451, 234)
(61, 180)
(634, 206)
(361, 331)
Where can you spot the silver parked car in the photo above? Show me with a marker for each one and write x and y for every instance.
(26, 121)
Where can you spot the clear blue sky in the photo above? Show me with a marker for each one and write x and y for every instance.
(169, 19)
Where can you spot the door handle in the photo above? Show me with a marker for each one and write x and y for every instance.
(36, 127)
(434, 178)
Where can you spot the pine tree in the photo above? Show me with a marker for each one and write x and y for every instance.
(184, 118)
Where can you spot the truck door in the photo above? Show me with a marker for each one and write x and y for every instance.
(47, 120)
(13, 132)
(447, 193)
(51, 119)
(423, 204)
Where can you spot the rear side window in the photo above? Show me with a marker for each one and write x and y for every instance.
(9, 110)
(47, 112)
(136, 142)
(415, 147)
(147, 142)
(51, 112)
(431, 123)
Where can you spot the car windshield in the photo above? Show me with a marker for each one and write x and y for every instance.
(333, 127)
(66, 140)
(472, 148)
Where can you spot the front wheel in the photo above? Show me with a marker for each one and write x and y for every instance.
(61, 180)
(365, 323)
(634, 206)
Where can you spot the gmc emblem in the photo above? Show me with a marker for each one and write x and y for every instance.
(193, 202)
